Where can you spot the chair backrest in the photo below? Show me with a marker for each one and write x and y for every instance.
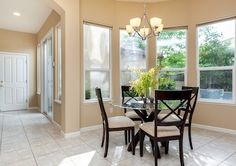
(102, 108)
(127, 94)
(171, 100)
(193, 102)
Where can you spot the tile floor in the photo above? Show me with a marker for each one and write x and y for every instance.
(28, 138)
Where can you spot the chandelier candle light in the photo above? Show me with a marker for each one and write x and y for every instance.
(143, 27)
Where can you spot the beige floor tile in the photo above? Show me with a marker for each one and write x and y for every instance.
(30, 162)
(91, 158)
(231, 161)
(117, 153)
(45, 149)
(24, 133)
(53, 159)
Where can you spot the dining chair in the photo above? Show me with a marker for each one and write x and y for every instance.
(128, 96)
(116, 123)
(192, 106)
(161, 130)
(188, 123)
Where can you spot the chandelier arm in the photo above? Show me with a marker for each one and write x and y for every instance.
(145, 29)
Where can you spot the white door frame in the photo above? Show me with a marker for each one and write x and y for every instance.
(27, 73)
(42, 68)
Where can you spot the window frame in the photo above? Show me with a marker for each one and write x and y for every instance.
(57, 67)
(126, 70)
(38, 69)
(217, 68)
(185, 69)
(110, 28)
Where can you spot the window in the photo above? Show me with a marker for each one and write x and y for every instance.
(38, 70)
(133, 54)
(216, 45)
(97, 53)
(171, 44)
(58, 62)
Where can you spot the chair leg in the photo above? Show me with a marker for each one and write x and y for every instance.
(107, 143)
(181, 153)
(125, 132)
(103, 136)
(129, 135)
(166, 147)
(152, 143)
(133, 145)
(190, 137)
(157, 152)
(141, 139)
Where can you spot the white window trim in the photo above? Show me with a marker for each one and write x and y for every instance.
(98, 69)
(219, 68)
(57, 98)
(38, 69)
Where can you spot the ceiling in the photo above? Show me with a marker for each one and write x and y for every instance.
(33, 15)
(146, 1)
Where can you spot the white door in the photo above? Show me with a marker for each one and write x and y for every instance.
(13, 81)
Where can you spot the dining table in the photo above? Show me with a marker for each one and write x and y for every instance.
(144, 110)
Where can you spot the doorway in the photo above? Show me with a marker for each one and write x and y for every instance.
(47, 76)
(13, 81)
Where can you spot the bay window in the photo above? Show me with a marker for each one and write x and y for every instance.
(171, 52)
(216, 47)
(133, 54)
(97, 54)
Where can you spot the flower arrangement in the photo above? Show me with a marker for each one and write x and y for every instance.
(146, 82)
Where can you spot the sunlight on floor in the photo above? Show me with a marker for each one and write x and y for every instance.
(83, 159)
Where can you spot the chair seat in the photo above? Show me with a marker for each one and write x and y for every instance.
(162, 131)
(132, 115)
(120, 122)
(171, 118)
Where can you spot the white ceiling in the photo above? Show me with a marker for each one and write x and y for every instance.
(33, 15)
(146, 1)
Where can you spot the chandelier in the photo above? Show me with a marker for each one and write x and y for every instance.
(143, 27)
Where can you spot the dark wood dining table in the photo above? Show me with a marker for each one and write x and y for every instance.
(144, 110)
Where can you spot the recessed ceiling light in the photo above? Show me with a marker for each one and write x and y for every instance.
(16, 14)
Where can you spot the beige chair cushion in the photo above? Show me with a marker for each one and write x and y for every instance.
(162, 131)
(120, 121)
(171, 118)
(131, 114)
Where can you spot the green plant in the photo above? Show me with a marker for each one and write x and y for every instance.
(146, 80)
(166, 83)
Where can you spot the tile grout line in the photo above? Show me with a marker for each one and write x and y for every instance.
(28, 141)
(226, 158)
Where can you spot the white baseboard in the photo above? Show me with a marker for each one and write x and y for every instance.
(77, 134)
(91, 128)
(33, 108)
(218, 129)
(71, 135)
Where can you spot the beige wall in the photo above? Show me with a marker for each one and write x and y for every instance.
(51, 22)
(69, 11)
(213, 114)
(11, 41)
(174, 14)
